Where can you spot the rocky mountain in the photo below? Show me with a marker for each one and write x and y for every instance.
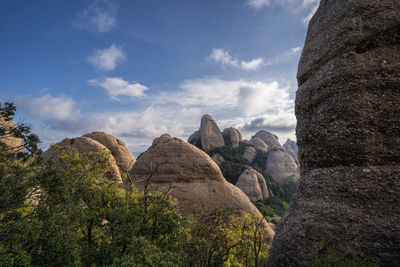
(121, 158)
(211, 136)
(263, 152)
(122, 155)
(348, 129)
(253, 184)
(190, 175)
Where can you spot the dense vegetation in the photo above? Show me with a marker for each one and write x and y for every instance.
(73, 216)
(275, 206)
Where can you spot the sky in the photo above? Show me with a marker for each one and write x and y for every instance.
(137, 69)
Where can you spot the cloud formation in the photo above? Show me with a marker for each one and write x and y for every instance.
(225, 59)
(106, 59)
(289, 5)
(100, 16)
(116, 86)
(244, 104)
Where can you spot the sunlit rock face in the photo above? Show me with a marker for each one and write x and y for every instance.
(211, 136)
(193, 178)
(122, 155)
(348, 132)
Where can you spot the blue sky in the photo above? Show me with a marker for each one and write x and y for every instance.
(139, 68)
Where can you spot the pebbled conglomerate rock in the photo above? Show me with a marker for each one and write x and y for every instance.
(348, 132)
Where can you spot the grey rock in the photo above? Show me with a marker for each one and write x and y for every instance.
(259, 144)
(233, 135)
(249, 154)
(348, 132)
(253, 184)
(270, 139)
(292, 148)
(281, 165)
(195, 139)
(211, 136)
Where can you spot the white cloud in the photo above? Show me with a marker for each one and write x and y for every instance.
(245, 104)
(225, 59)
(293, 6)
(259, 3)
(49, 107)
(307, 19)
(116, 86)
(284, 56)
(99, 16)
(249, 97)
(106, 59)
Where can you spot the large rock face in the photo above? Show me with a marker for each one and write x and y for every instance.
(82, 145)
(253, 184)
(249, 153)
(211, 136)
(281, 165)
(233, 135)
(259, 144)
(348, 131)
(292, 148)
(270, 139)
(123, 156)
(195, 179)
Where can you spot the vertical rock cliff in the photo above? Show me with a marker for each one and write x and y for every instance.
(348, 132)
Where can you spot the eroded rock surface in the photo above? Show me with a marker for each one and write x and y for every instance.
(348, 132)
(270, 139)
(82, 145)
(281, 165)
(122, 155)
(253, 184)
(259, 144)
(233, 135)
(195, 139)
(249, 153)
(211, 136)
(292, 148)
(195, 178)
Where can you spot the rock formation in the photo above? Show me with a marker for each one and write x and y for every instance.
(123, 156)
(253, 184)
(82, 145)
(193, 177)
(280, 165)
(218, 158)
(211, 136)
(195, 139)
(13, 143)
(259, 144)
(233, 135)
(348, 131)
(249, 153)
(291, 148)
(270, 139)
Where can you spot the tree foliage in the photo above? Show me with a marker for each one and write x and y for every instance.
(74, 216)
